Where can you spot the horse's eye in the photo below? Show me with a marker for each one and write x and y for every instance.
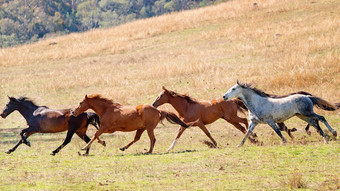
(233, 89)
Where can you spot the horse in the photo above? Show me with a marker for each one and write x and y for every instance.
(264, 108)
(41, 119)
(202, 113)
(116, 117)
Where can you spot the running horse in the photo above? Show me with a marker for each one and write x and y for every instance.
(116, 117)
(201, 113)
(41, 119)
(264, 108)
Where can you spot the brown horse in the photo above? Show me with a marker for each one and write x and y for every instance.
(115, 117)
(203, 112)
(41, 119)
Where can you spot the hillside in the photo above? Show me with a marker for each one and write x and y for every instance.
(281, 46)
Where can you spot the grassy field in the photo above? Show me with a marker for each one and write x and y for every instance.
(280, 46)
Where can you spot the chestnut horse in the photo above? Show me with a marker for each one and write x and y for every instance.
(41, 119)
(115, 117)
(203, 112)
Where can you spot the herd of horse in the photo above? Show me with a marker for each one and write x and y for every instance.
(110, 116)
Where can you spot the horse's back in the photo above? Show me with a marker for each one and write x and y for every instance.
(50, 120)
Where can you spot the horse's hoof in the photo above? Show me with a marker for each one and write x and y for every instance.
(53, 154)
(104, 144)
(335, 133)
(238, 146)
(8, 152)
(28, 143)
(292, 130)
(122, 149)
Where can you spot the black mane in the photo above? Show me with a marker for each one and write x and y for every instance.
(257, 91)
(27, 102)
(263, 94)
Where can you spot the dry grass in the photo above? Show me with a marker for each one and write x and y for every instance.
(281, 46)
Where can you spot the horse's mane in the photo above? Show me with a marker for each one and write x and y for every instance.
(184, 96)
(263, 94)
(100, 97)
(257, 91)
(25, 101)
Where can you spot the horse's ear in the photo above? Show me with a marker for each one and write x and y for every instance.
(164, 88)
(238, 82)
(86, 96)
(10, 98)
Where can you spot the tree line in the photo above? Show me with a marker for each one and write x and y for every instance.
(23, 21)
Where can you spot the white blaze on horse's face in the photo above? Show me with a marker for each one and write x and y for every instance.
(233, 92)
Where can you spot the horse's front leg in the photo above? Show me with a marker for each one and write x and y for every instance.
(276, 129)
(96, 136)
(250, 130)
(139, 133)
(19, 143)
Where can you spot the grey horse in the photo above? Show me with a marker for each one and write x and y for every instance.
(264, 108)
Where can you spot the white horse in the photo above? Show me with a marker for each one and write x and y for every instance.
(264, 108)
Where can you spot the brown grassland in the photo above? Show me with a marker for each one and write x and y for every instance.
(281, 46)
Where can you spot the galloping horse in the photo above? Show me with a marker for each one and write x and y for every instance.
(203, 112)
(115, 117)
(264, 108)
(41, 119)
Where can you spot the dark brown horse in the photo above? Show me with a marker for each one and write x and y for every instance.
(41, 119)
(115, 117)
(203, 112)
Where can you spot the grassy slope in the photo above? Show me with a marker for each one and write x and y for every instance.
(281, 46)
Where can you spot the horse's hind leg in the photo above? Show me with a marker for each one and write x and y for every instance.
(323, 120)
(283, 127)
(307, 129)
(67, 140)
(276, 129)
(152, 139)
(315, 124)
(137, 137)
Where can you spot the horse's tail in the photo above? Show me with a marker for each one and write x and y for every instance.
(172, 118)
(93, 119)
(240, 105)
(322, 104)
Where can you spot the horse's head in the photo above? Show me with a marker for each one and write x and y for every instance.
(162, 98)
(83, 106)
(233, 92)
(11, 106)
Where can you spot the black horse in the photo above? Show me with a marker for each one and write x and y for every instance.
(41, 119)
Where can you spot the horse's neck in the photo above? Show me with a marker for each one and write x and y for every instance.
(99, 107)
(27, 112)
(251, 100)
(180, 105)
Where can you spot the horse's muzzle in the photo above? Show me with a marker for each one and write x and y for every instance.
(3, 115)
(225, 98)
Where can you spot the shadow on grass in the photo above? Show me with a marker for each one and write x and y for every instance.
(156, 154)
